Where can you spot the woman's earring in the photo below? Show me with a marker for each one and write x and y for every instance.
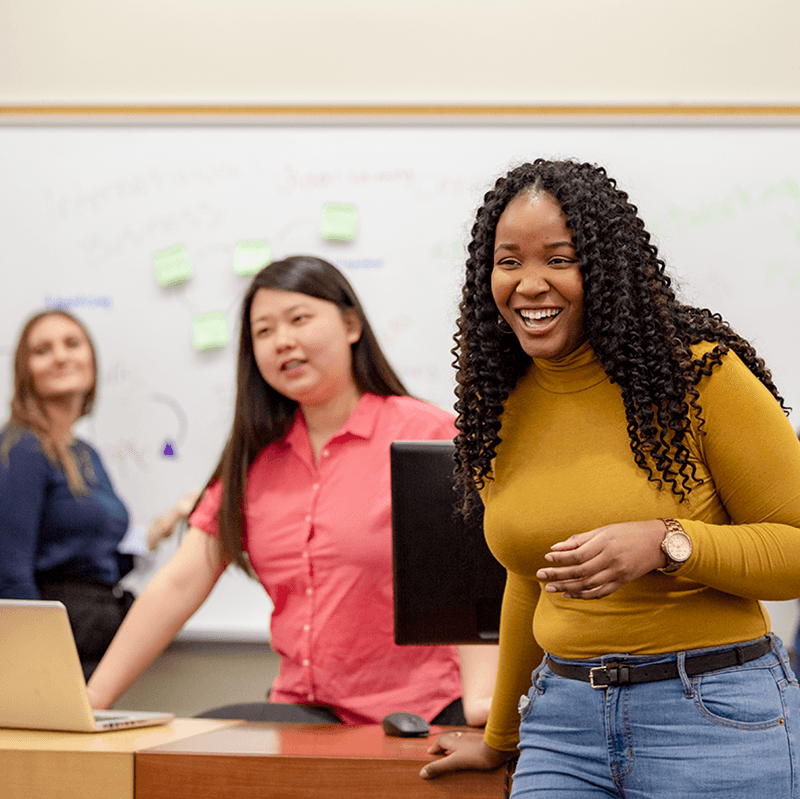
(505, 328)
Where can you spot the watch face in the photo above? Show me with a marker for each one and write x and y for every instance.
(679, 547)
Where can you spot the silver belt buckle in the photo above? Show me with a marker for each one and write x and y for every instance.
(591, 677)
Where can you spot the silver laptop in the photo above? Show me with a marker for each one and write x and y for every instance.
(41, 681)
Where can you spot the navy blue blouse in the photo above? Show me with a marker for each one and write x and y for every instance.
(46, 531)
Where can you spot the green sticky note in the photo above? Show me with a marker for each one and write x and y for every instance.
(210, 331)
(251, 257)
(339, 222)
(172, 266)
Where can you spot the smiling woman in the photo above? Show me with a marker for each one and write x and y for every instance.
(641, 485)
(537, 283)
(60, 519)
(61, 361)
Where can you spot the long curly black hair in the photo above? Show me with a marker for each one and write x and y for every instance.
(639, 331)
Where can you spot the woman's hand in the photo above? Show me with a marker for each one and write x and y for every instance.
(595, 564)
(164, 526)
(463, 750)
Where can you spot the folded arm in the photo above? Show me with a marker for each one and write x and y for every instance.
(753, 456)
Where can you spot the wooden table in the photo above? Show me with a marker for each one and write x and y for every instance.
(301, 761)
(63, 765)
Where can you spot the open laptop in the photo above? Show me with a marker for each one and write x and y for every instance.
(41, 681)
(448, 587)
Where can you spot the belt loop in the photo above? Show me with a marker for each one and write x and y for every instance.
(739, 655)
(685, 679)
(777, 649)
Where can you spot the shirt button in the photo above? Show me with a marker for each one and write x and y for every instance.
(325, 453)
(305, 661)
(308, 518)
(316, 487)
(309, 591)
(306, 627)
(311, 697)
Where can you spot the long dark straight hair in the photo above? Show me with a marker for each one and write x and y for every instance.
(263, 415)
(28, 413)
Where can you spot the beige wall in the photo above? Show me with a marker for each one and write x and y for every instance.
(439, 52)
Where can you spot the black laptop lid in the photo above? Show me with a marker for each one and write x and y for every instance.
(447, 585)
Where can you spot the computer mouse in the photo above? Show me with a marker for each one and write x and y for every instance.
(405, 725)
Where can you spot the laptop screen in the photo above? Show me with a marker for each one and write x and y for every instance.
(448, 587)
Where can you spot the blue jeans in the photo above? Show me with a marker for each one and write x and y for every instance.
(733, 733)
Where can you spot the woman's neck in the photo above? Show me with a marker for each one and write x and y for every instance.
(324, 419)
(62, 413)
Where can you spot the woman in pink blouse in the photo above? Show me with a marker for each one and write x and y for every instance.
(301, 499)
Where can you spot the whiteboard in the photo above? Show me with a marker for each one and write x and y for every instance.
(83, 210)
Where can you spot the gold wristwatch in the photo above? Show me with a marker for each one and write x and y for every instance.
(677, 546)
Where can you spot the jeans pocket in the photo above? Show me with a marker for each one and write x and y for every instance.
(744, 697)
(525, 704)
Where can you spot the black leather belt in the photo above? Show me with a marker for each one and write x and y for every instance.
(621, 674)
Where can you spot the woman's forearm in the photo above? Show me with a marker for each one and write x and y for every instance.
(165, 605)
(478, 673)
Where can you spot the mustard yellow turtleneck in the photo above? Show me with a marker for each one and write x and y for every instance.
(565, 466)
